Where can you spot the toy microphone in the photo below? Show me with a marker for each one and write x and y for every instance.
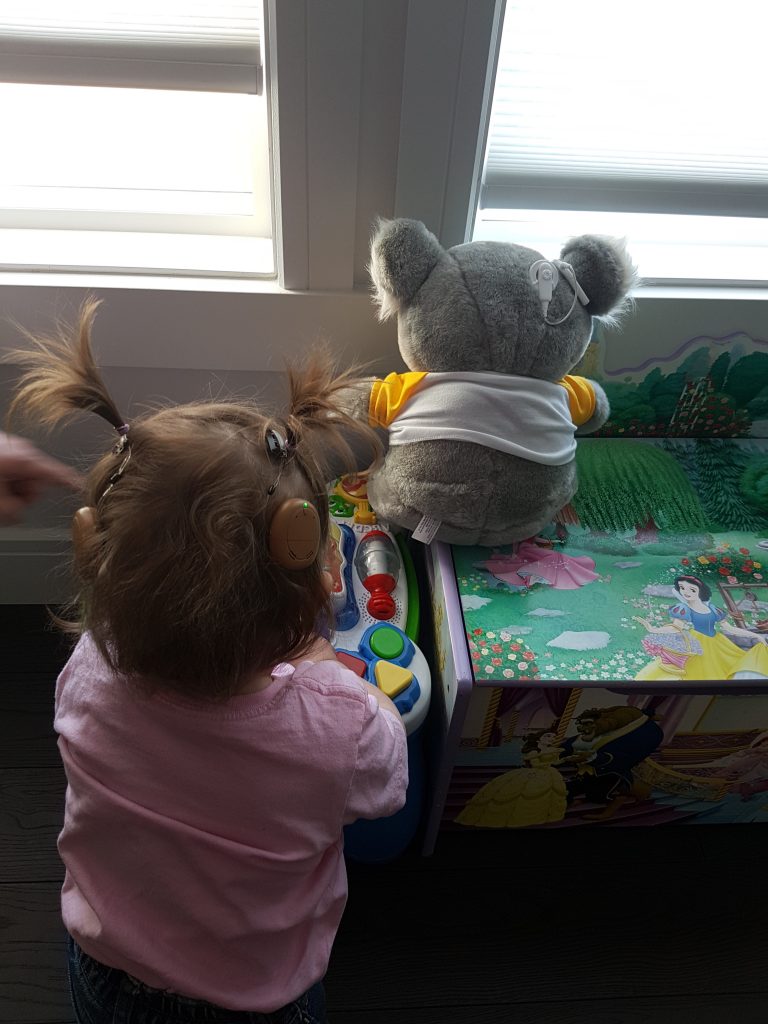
(378, 565)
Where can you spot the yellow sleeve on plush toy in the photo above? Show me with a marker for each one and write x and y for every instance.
(388, 396)
(581, 398)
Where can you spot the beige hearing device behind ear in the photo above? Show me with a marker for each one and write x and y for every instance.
(83, 526)
(294, 534)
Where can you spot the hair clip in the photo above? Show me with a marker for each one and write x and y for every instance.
(118, 472)
(277, 448)
(118, 448)
(122, 441)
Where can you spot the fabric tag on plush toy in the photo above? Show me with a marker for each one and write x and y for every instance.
(426, 529)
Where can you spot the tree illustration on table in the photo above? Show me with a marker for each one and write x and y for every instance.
(754, 483)
(630, 484)
(702, 412)
(747, 378)
(701, 398)
(642, 408)
(719, 370)
(720, 470)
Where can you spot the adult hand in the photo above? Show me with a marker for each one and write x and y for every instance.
(25, 472)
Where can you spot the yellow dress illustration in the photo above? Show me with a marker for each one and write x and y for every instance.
(720, 659)
(532, 795)
(715, 655)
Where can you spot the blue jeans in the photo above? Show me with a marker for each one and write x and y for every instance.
(105, 995)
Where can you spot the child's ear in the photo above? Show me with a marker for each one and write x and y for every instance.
(403, 255)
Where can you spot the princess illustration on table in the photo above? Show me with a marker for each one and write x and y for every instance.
(533, 563)
(531, 795)
(692, 647)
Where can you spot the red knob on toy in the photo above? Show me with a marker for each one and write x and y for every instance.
(381, 604)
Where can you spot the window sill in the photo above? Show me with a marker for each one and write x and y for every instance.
(104, 279)
(145, 256)
(701, 291)
(201, 323)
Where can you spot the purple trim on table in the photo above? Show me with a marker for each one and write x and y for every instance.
(456, 626)
(464, 682)
(655, 360)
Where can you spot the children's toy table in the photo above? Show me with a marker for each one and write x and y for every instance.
(614, 670)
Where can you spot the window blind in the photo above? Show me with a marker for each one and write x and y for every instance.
(150, 44)
(613, 107)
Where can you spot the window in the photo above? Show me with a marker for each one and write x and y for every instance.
(136, 137)
(644, 123)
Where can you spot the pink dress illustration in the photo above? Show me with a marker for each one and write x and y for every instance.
(531, 564)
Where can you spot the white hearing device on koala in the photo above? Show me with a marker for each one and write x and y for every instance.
(545, 275)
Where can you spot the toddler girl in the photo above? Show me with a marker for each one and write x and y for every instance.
(214, 747)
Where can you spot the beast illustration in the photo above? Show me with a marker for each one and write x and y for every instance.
(610, 743)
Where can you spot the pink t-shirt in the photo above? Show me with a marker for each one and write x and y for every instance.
(203, 845)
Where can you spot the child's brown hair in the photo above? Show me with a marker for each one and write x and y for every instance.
(176, 582)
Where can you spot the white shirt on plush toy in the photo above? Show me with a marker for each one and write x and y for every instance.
(533, 419)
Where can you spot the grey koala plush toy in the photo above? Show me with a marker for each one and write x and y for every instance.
(481, 431)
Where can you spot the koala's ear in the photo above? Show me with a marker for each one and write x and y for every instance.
(403, 255)
(603, 269)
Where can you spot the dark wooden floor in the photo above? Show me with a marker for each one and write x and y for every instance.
(668, 926)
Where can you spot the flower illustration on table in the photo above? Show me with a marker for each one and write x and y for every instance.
(722, 565)
(490, 650)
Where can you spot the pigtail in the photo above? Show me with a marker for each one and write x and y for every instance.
(318, 426)
(61, 377)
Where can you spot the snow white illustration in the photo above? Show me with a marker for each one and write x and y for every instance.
(692, 647)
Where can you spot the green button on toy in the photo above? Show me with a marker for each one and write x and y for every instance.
(386, 643)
